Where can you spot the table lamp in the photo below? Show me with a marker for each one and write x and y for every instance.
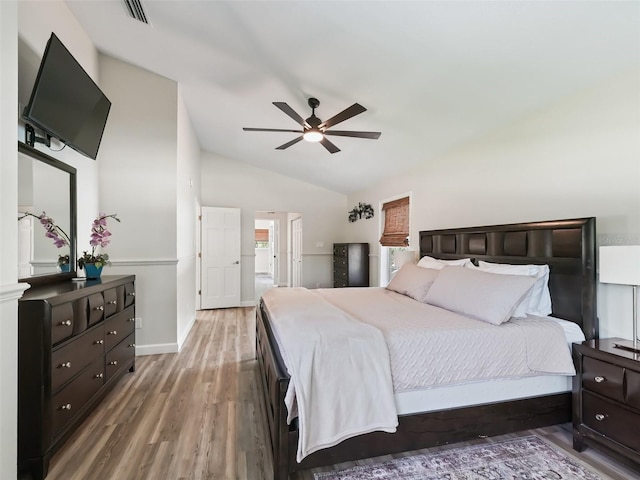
(621, 265)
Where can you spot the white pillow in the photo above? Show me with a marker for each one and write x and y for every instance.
(430, 262)
(485, 296)
(538, 300)
(412, 281)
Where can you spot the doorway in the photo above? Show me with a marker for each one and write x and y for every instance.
(266, 254)
(274, 263)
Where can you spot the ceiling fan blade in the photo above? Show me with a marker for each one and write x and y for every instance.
(288, 144)
(328, 145)
(247, 129)
(346, 114)
(292, 113)
(348, 133)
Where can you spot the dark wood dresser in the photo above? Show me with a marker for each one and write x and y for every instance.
(350, 264)
(606, 399)
(75, 341)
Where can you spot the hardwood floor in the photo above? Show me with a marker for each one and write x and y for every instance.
(198, 415)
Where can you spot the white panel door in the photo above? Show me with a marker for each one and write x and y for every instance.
(220, 261)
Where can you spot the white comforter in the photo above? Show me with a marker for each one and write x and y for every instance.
(328, 356)
(430, 346)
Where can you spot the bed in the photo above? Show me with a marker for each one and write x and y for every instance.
(566, 246)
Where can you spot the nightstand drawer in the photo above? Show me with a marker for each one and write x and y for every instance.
(603, 378)
(611, 420)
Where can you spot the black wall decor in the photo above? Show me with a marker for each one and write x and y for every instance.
(363, 210)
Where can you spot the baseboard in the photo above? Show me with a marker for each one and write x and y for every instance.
(248, 303)
(156, 349)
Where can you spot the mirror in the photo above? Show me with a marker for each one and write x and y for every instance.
(45, 185)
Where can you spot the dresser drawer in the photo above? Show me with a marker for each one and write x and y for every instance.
(120, 355)
(633, 389)
(603, 378)
(340, 274)
(61, 322)
(611, 420)
(118, 327)
(340, 250)
(70, 400)
(129, 294)
(80, 315)
(340, 262)
(71, 358)
(110, 302)
(95, 308)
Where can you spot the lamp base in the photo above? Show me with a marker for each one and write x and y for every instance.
(629, 346)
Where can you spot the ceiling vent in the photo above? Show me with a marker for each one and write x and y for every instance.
(136, 11)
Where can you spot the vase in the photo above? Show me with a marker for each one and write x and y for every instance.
(92, 271)
(64, 267)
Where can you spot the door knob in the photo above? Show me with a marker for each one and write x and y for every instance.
(236, 262)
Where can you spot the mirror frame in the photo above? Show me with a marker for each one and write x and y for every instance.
(46, 278)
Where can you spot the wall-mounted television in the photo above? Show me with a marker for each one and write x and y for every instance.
(66, 103)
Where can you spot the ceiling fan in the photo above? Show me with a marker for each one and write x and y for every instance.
(314, 129)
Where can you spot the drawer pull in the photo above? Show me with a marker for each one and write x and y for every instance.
(98, 375)
(115, 362)
(112, 302)
(132, 345)
(599, 379)
(66, 407)
(100, 307)
(113, 332)
(599, 417)
(98, 342)
(131, 319)
(65, 323)
(65, 365)
(131, 294)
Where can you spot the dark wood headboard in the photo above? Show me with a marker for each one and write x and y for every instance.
(567, 246)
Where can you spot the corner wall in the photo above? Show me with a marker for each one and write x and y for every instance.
(138, 182)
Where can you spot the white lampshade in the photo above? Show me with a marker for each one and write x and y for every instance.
(620, 264)
(404, 256)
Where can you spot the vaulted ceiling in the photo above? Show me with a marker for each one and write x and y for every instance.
(433, 75)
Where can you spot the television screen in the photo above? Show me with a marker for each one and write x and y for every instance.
(66, 102)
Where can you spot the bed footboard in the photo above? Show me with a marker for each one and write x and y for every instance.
(274, 380)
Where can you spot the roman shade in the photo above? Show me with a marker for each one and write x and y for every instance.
(262, 234)
(396, 223)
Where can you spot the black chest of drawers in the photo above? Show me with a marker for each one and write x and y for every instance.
(606, 399)
(350, 264)
(75, 341)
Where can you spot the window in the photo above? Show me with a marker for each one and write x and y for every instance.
(262, 237)
(395, 236)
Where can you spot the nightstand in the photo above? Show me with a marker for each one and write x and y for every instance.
(606, 398)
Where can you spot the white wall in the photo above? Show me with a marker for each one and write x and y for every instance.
(10, 291)
(227, 183)
(578, 158)
(138, 180)
(187, 196)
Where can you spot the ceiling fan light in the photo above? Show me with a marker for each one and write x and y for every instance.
(313, 136)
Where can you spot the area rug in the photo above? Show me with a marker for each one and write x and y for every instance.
(522, 458)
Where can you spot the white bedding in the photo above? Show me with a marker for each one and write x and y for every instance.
(430, 346)
(423, 343)
(327, 354)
